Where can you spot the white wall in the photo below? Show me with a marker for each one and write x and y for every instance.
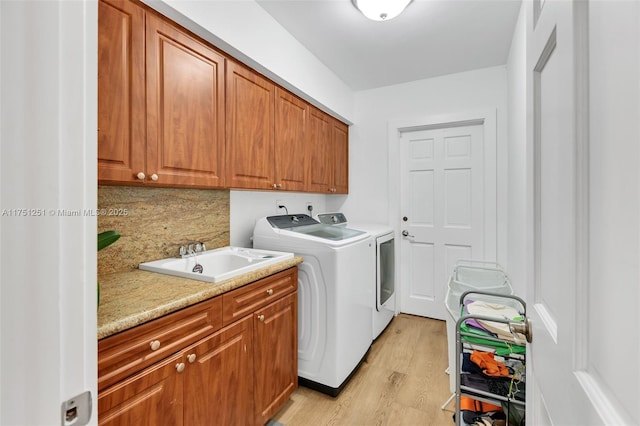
(517, 160)
(369, 142)
(246, 31)
(48, 350)
(248, 206)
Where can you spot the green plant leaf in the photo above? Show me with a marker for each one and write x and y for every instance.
(107, 238)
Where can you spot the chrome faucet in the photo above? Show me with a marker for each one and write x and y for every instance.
(192, 249)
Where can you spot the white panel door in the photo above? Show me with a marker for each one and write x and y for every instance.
(577, 375)
(442, 208)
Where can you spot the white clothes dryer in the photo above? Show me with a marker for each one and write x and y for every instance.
(384, 255)
(335, 299)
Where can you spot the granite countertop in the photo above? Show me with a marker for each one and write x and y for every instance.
(128, 299)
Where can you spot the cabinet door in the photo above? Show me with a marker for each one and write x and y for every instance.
(340, 140)
(153, 397)
(219, 378)
(276, 355)
(185, 108)
(121, 102)
(250, 124)
(291, 146)
(320, 165)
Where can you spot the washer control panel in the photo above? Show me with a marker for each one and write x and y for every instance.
(291, 220)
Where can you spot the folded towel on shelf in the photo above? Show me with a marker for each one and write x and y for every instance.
(497, 310)
(472, 322)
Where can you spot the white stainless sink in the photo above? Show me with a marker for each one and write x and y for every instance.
(217, 265)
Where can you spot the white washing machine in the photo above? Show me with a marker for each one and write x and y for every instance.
(384, 255)
(335, 300)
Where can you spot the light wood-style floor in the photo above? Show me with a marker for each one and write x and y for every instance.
(402, 382)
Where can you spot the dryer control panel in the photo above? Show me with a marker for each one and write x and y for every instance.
(332, 218)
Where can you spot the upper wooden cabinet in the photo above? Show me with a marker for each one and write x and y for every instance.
(121, 91)
(320, 149)
(340, 142)
(250, 136)
(328, 138)
(185, 108)
(173, 111)
(160, 101)
(266, 133)
(291, 149)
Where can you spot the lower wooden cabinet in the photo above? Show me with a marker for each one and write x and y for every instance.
(153, 397)
(240, 374)
(218, 378)
(276, 355)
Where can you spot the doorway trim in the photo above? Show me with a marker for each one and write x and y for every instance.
(494, 238)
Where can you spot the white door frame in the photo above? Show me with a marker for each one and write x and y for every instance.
(48, 346)
(487, 117)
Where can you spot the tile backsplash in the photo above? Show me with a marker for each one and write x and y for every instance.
(155, 222)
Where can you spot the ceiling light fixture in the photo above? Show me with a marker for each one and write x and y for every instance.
(381, 10)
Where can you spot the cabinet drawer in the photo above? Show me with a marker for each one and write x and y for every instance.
(245, 300)
(128, 352)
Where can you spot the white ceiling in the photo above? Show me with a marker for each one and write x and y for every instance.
(430, 38)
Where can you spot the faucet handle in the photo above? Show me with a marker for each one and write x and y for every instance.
(183, 250)
(198, 247)
(204, 248)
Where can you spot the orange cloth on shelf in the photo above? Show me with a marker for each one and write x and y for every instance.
(489, 366)
(471, 404)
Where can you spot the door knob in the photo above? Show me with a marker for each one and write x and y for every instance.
(523, 328)
(405, 233)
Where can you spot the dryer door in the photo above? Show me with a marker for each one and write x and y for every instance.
(385, 253)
